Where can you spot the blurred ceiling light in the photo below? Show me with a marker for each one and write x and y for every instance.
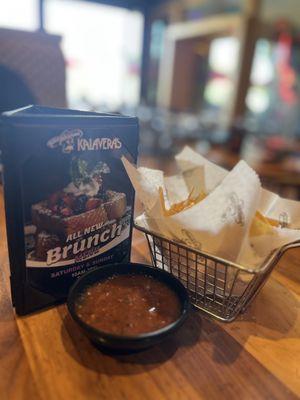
(258, 99)
(223, 55)
(263, 69)
(218, 91)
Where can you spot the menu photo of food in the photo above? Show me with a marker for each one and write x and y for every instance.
(79, 221)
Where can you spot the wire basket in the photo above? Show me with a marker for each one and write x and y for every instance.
(218, 287)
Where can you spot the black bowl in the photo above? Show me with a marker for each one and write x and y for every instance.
(124, 344)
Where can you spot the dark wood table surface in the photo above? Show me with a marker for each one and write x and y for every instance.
(46, 356)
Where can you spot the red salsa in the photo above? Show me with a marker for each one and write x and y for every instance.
(128, 305)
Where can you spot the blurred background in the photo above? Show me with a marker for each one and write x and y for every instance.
(219, 75)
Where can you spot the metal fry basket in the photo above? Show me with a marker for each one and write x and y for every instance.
(218, 287)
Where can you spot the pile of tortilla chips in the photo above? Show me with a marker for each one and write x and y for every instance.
(227, 214)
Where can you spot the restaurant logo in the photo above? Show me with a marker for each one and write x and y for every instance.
(66, 140)
(98, 144)
(72, 140)
(284, 220)
(234, 210)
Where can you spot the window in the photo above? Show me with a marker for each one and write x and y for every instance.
(19, 14)
(102, 46)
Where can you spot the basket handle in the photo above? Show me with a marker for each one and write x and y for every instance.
(289, 246)
(277, 254)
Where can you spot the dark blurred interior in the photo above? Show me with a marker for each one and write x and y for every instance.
(219, 75)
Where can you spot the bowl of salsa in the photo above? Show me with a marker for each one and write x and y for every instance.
(128, 307)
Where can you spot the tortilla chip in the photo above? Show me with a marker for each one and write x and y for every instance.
(180, 206)
(262, 225)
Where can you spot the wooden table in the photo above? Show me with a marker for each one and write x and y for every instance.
(46, 356)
